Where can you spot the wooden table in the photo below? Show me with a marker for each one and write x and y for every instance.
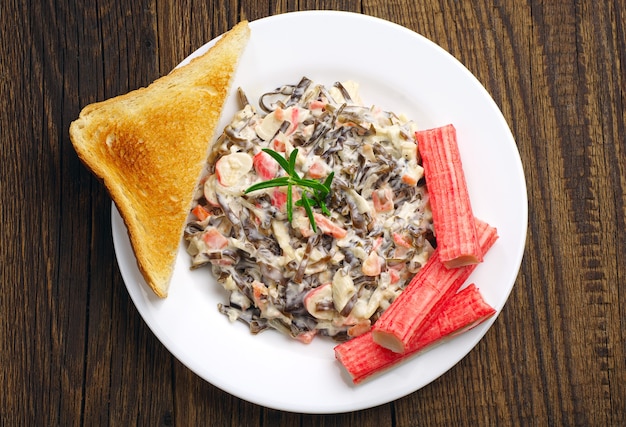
(74, 350)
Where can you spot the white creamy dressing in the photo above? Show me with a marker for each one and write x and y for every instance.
(282, 275)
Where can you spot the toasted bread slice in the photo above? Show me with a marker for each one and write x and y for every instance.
(150, 147)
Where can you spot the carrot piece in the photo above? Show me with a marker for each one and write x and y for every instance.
(409, 179)
(329, 227)
(214, 239)
(200, 212)
(317, 170)
(424, 295)
(450, 203)
(362, 357)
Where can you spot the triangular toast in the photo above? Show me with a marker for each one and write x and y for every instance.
(150, 147)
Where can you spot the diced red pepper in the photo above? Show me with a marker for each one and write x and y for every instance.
(317, 170)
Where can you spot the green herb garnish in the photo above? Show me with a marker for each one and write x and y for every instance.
(314, 193)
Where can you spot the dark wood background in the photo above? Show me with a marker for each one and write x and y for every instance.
(74, 350)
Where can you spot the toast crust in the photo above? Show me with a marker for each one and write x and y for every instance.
(150, 146)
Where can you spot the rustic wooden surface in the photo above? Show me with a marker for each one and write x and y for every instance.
(73, 348)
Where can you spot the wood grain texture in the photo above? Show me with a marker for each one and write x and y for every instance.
(75, 351)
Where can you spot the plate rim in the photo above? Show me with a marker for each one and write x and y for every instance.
(479, 331)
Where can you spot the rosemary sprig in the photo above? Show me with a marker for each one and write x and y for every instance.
(314, 193)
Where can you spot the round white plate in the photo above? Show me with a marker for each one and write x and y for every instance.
(398, 70)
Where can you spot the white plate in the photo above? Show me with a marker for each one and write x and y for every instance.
(398, 70)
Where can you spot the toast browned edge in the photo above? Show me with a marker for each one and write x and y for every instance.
(116, 160)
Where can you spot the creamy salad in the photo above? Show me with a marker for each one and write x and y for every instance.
(375, 235)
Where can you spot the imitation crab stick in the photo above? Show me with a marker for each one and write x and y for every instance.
(362, 357)
(265, 167)
(424, 296)
(449, 199)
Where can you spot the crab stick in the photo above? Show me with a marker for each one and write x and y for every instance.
(424, 296)
(362, 357)
(449, 199)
